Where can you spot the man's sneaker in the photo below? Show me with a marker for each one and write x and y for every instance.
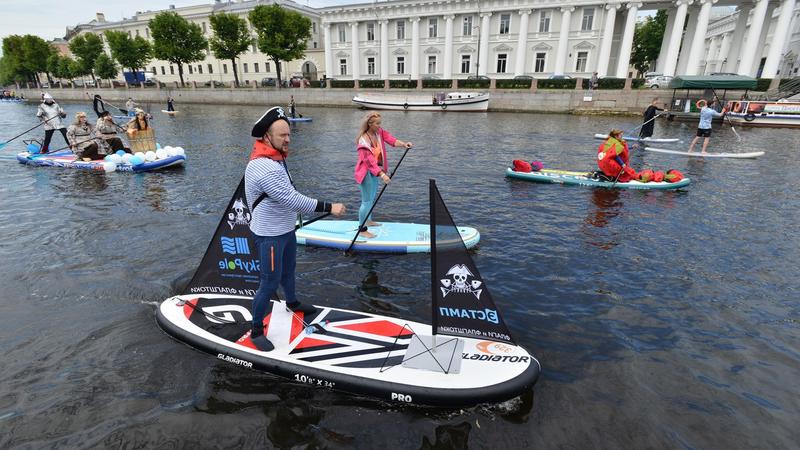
(262, 343)
(305, 309)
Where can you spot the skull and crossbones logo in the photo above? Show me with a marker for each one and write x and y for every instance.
(238, 215)
(460, 281)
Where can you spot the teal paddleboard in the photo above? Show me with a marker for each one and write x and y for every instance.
(565, 177)
(390, 237)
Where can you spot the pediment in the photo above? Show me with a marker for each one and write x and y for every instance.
(342, 54)
(503, 48)
(543, 47)
(399, 51)
(370, 52)
(466, 49)
(585, 45)
(432, 50)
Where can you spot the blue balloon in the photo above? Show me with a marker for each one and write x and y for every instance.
(120, 152)
(107, 158)
(136, 160)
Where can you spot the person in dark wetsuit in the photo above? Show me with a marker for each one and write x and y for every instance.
(170, 104)
(99, 105)
(649, 119)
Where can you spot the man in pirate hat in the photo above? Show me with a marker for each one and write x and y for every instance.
(274, 205)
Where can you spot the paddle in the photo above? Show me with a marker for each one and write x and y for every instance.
(64, 148)
(347, 252)
(3, 144)
(302, 224)
(105, 102)
(628, 133)
(739, 138)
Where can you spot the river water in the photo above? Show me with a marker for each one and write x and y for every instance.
(662, 319)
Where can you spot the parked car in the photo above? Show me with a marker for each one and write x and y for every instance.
(217, 84)
(652, 75)
(298, 81)
(265, 82)
(559, 77)
(523, 77)
(115, 83)
(478, 77)
(658, 82)
(89, 83)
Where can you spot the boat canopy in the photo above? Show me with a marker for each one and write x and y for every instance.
(712, 82)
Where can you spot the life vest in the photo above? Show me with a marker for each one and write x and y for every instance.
(658, 176)
(645, 176)
(521, 166)
(673, 176)
(607, 161)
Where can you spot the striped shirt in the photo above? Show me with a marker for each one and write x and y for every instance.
(276, 214)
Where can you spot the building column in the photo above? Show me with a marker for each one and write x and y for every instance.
(737, 37)
(384, 49)
(762, 40)
(447, 73)
(415, 48)
(608, 36)
(522, 42)
(701, 28)
(751, 41)
(662, 55)
(779, 38)
(355, 53)
(688, 38)
(329, 72)
(483, 60)
(675, 34)
(724, 48)
(627, 40)
(711, 54)
(563, 40)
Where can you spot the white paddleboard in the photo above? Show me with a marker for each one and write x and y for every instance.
(637, 139)
(698, 154)
(169, 112)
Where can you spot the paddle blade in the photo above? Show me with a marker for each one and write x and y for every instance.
(2, 145)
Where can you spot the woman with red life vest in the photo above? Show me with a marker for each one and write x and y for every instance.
(612, 158)
(371, 165)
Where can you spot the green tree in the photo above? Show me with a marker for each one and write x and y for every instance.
(282, 34)
(25, 57)
(131, 53)
(7, 75)
(13, 57)
(231, 38)
(177, 40)
(87, 48)
(647, 40)
(105, 67)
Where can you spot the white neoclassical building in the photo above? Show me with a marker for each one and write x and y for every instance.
(744, 43)
(413, 39)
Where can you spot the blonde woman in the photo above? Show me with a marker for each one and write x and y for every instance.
(82, 140)
(372, 164)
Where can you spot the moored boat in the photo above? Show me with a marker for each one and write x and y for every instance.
(441, 101)
(765, 114)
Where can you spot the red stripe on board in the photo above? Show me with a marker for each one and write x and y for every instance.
(187, 308)
(297, 326)
(311, 342)
(379, 327)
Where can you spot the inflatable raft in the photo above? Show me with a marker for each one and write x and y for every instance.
(66, 159)
(390, 237)
(583, 179)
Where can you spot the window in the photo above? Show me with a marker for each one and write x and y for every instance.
(401, 65)
(371, 65)
(153, 70)
(244, 67)
(539, 62)
(544, 22)
(342, 66)
(266, 67)
(313, 27)
(137, 33)
(163, 71)
(255, 67)
(210, 68)
(147, 32)
(190, 69)
(199, 68)
(171, 70)
(580, 66)
(315, 45)
(204, 28)
(501, 62)
(401, 29)
(467, 29)
(224, 68)
(370, 31)
(465, 63)
(588, 19)
(433, 25)
(431, 63)
(129, 33)
(342, 34)
(505, 22)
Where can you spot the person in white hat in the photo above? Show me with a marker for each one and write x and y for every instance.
(274, 205)
(51, 114)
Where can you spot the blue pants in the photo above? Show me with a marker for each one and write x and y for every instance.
(277, 259)
(369, 190)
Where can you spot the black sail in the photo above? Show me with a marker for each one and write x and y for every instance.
(231, 263)
(462, 305)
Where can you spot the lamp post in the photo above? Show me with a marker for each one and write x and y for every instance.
(478, 62)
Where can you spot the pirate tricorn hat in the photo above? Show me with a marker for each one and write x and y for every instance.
(262, 125)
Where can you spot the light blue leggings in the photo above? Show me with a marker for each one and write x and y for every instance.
(369, 190)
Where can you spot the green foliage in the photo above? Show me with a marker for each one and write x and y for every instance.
(636, 83)
(343, 84)
(24, 57)
(131, 53)
(611, 83)
(437, 84)
(474, 84)
(231, 38)
(512, 84)
(762, 84)
(647, 40)
(66, 67)
(282, 34)
(87, 48)
(403, 84)
(105, 68)
(370, 84)
(177, 40)
(556, 84)
(6, 73)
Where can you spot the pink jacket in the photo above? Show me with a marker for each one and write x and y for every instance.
(366, 160)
